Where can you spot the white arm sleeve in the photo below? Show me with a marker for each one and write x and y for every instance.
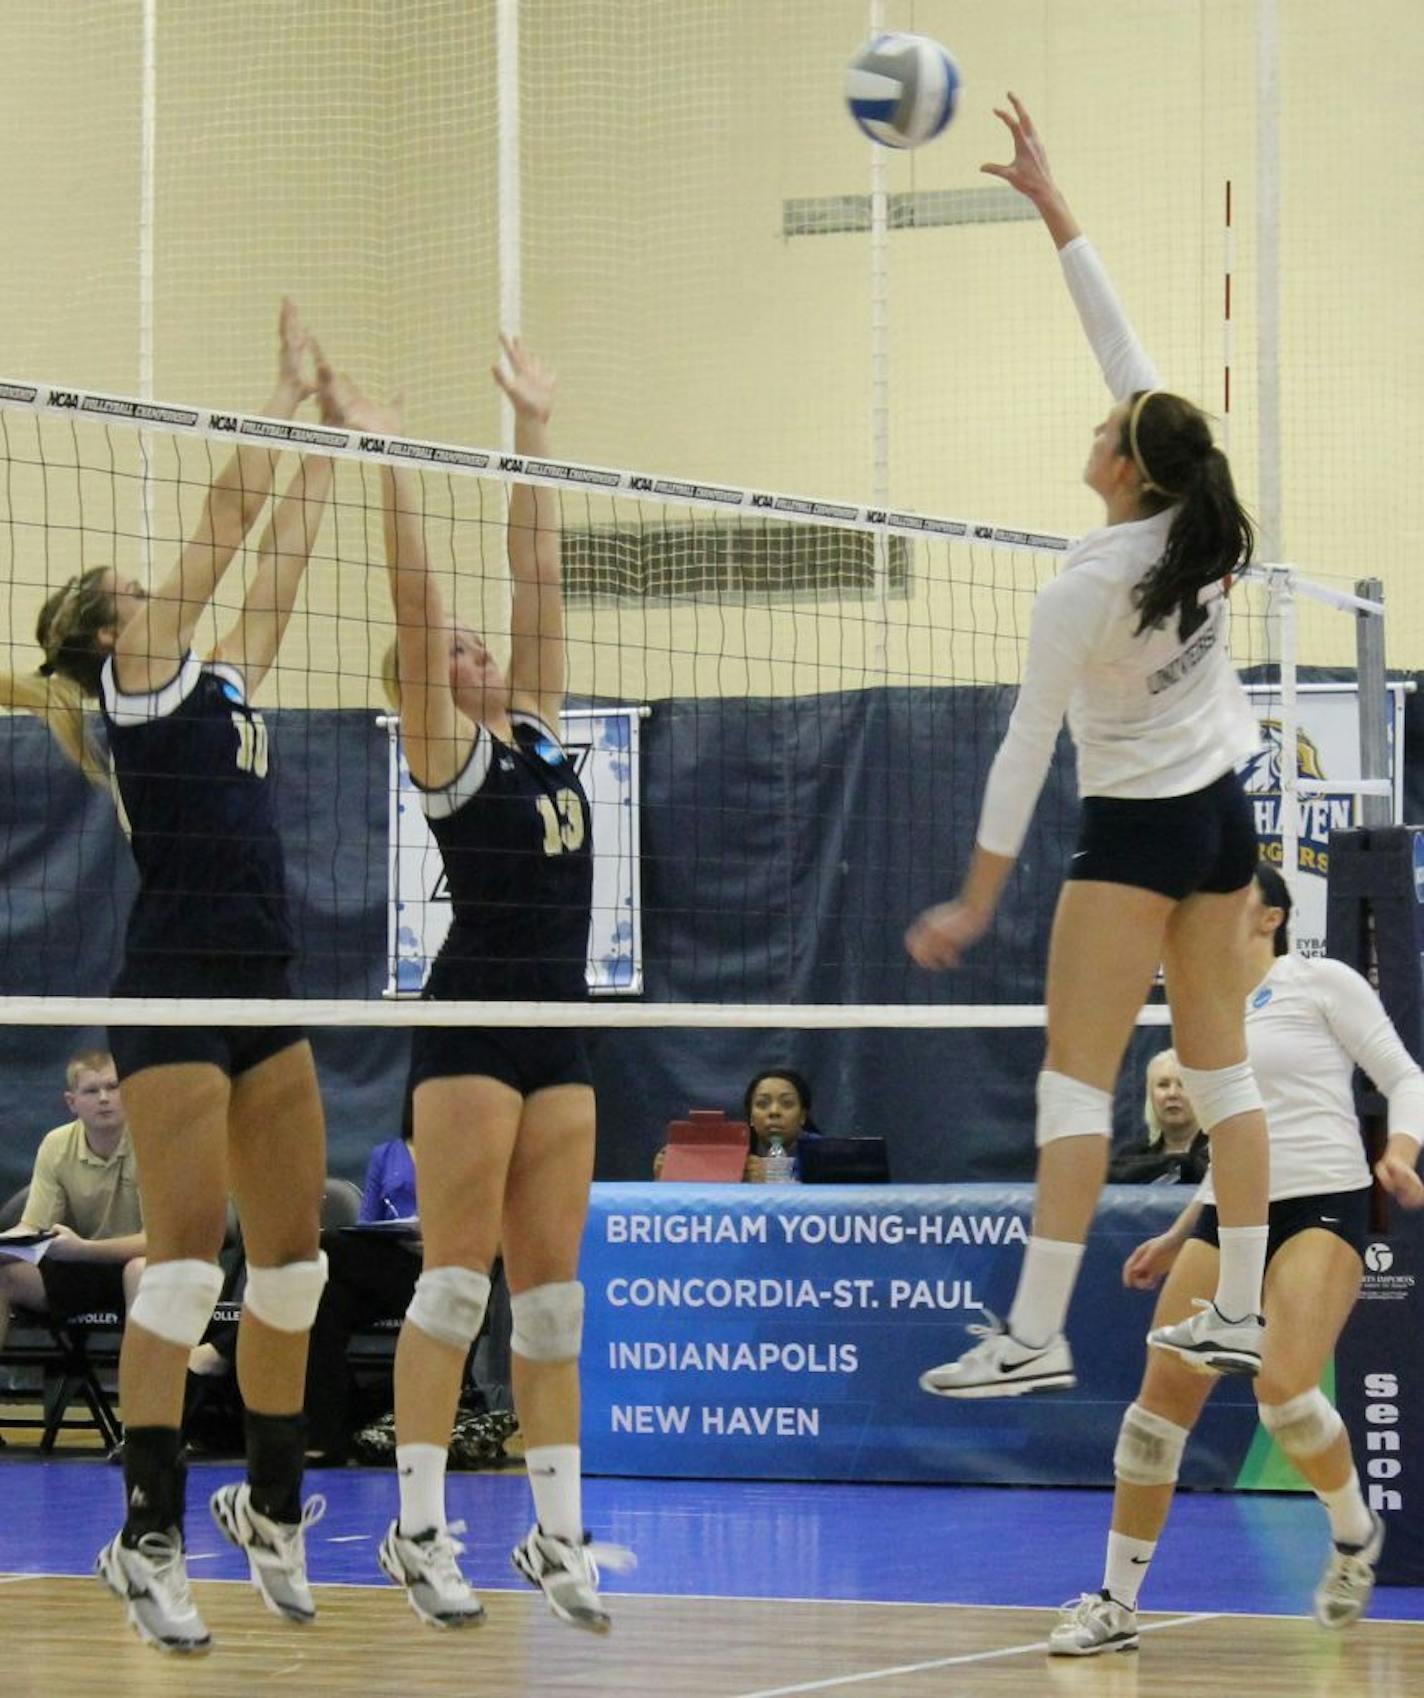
(1357, 1018)
(1119, 354)
(1067, 619)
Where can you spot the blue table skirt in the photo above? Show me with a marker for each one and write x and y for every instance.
(778, 1332)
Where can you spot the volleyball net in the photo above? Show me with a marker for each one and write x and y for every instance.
(782, 707)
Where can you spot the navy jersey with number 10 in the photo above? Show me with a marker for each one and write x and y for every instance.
(514, 831)
(190, 765)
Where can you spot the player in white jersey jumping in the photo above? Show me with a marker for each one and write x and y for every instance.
(1130, 642)
(1308, 1025)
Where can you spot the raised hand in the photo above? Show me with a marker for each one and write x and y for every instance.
(1028, 171)
(296, 353)
(528, 383)
(342, 403)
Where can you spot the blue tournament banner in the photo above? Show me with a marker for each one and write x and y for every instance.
(779, 1332)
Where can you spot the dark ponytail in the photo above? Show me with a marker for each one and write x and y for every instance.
(1170, 442)
(1275, 893)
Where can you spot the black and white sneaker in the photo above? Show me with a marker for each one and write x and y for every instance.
(1348, 1582)
(275, 1550)
(567, 1574)
(1095, 1622)
(152, 1579)
(428, 1567)
(1000, 1366)
(1210, 1342)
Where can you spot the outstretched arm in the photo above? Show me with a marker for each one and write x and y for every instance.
(437, 736)
(1120, 356)
(154, 642)
(285, 552)
(536, 656)
(1068, 618)
(1365, 1031)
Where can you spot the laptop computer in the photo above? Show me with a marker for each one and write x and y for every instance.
(844, 1161)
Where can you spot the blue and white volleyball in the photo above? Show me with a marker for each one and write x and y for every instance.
(902, 89)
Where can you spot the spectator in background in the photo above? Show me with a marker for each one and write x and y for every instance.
(84, 1187)
(1176, 1150)
(389, 1191)
(775, 1104)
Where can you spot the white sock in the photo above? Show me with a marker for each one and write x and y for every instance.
(1046, 1281)
(555, 1478)
(421, 1468)
(1350, 1522)
(1126, 1567)
(1243, 1266)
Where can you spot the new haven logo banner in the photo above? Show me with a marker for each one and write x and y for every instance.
(1328, 745)
(603, 744)
(779, 1332)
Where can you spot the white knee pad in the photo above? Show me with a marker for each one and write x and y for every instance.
(1304, 1426)
(449, 1304)
(286, 1299)
(1149, 1448)
(175, 1300)
(1218, 1093)
(1067, 1108)
(548, 1322)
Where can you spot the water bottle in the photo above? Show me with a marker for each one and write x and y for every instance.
(780, 1168)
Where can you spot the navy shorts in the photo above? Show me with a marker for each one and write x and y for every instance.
(233, 1049)
(526, 1059)
(1345, 1213)
(1175, 845)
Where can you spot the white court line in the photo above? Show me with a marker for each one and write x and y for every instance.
(763, 1598)
(348, 1538)
(944, 1663)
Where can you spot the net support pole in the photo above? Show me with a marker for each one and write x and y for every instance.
(147, 209)
(879, 377)
(510, 203)
(1290, 739)
(1374, 703)
(1268, 280)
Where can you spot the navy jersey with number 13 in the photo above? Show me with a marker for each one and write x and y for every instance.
(514, 831)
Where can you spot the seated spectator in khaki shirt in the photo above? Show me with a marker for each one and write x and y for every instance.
(84, 1187)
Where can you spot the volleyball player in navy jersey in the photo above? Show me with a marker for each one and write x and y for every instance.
(504, 1119)
(212, 1109)
(1130, 642)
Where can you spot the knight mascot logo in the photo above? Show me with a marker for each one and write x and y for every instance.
(1319, 814)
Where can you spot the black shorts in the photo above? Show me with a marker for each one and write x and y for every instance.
(525, 1059)
(1345, 1213)
(1175, 845)
(233, 1049)
(75, 1290)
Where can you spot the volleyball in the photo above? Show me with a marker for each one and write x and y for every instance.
(902, 89)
